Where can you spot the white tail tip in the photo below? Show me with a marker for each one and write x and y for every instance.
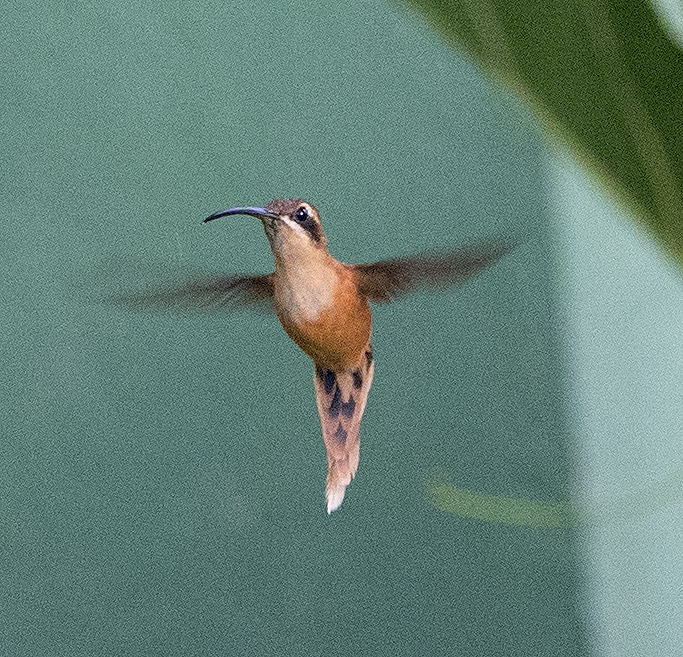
(335, 498)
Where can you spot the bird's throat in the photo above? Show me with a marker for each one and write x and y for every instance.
(305, 283)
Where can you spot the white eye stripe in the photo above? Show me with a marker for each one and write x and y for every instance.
(293, 224)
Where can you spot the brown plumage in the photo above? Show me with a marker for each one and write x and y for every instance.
(323, 305)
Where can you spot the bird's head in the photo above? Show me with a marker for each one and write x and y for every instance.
(290, 224)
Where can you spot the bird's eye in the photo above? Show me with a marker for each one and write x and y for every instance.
(301, 214)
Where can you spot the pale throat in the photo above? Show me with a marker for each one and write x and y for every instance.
(306, 279)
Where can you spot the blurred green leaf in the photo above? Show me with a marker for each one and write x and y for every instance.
(601, 74)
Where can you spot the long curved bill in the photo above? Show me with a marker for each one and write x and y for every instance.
(260, 213)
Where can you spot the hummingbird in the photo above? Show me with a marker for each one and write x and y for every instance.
(324, 307)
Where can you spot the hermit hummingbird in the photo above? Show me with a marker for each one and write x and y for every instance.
(324, 306)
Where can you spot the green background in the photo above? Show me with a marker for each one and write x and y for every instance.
(162, 476)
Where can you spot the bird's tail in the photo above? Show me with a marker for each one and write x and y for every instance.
(341, 399)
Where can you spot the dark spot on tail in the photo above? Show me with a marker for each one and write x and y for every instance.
(335, 406)
(357, 379)
(340, 434)
(338, 406)
(368, 355)
(348, 408)
(329, 380)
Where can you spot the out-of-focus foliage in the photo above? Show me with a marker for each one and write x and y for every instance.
(601, 74)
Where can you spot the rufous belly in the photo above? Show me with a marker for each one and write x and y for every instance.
(337, 337)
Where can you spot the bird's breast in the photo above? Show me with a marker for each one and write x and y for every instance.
(326, 318)
(305, 296)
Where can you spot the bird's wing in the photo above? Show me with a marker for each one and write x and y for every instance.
(210, 293)
(390, 279)
(341, 399)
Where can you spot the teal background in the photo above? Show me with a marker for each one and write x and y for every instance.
(161, 475)
(621, 327)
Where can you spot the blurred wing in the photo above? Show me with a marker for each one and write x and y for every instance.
(341, 399)
(390, 279)
(211, 293)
